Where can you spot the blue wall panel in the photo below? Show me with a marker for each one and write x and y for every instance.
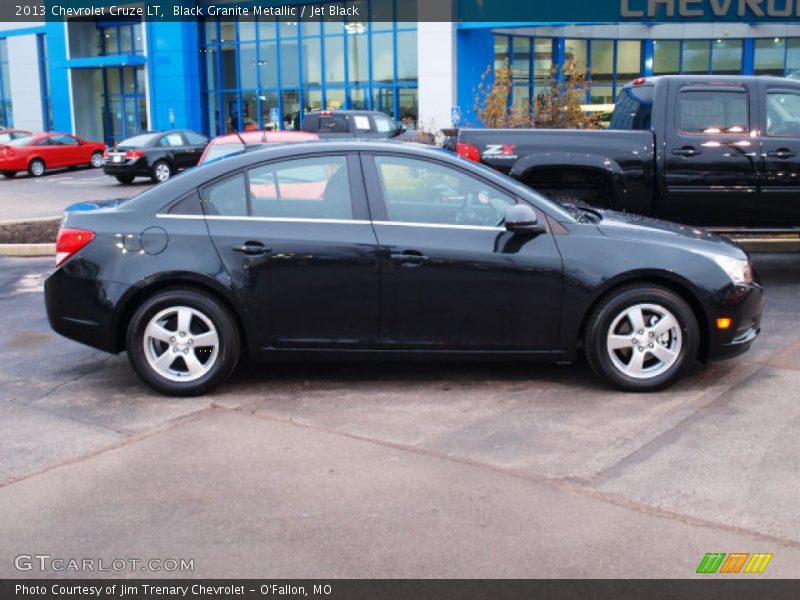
(174, 77)
(475, 52)
(56, 40)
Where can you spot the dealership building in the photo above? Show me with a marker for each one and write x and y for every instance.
(110, 77)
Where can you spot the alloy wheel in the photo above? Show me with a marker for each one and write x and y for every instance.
(181, 343)
(163, 171)
(644, 341)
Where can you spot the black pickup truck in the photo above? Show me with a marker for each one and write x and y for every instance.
(717, 151)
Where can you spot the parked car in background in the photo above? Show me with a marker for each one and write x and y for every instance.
(365, 249)
(233, 143)
(40, 152)
(720, 151)
(157, 155)
(6, 135)
(352, 124)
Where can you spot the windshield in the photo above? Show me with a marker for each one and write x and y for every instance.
(23, 141)
(139, 140)
(217, 151)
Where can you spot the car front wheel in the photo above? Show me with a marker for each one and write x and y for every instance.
(183, 342)
(641, 338)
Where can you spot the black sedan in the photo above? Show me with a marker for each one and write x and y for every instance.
(356, 249)
(157, 155)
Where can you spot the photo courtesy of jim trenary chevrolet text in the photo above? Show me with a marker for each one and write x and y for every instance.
(399, 299)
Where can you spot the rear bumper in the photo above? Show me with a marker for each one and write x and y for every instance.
(83, 309)
(134, 168)
(743, 304)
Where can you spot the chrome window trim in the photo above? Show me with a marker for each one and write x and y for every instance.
(334, 221)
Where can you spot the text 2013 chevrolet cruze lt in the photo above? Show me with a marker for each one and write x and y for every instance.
(351, 249)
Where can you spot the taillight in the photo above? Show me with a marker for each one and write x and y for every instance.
(105, 154)
(468, 151)
(134, 153)
(70, 241)
(6, 152)
(640, 81)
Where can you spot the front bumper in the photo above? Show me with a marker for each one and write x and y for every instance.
(743, 304)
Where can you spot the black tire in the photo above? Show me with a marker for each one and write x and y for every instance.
(159, 166)
(33, 167)
(607, 314)
(228, 348)
(9, 174)
(125, 179)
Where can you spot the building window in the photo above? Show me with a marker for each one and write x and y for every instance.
(104, 38)
(266, 74)
(666, 57)
(726, 57)
(6, 112)
(770, 56)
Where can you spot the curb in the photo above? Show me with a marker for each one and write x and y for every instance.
(27, 249)
(29, 220)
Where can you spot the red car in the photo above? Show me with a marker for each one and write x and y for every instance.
(231, 143)
(39, 152)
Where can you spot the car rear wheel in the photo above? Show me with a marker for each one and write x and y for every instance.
(161, 171)
(9, 174)
(641, 338)
(125, 179)
(183, 342)
(97, 160)
(36, 168)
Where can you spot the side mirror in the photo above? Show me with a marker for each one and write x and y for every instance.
(521, 218)
(400, 129)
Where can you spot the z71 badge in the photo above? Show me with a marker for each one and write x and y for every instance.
(500, 151)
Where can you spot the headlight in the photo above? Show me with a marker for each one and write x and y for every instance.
(738, 269)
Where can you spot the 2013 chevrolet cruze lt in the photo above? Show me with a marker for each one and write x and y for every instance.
(358, 249)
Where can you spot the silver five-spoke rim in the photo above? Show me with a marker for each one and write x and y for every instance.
(162, 172)
(644, 341)
(97, 160)
(181, 344)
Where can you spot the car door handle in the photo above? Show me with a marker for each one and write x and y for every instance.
(686, 151)
(409, 258)
(252, 249)
(782, 153)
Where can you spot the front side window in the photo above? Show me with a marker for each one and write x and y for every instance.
(712, 112)
(63, 140)
(383, 124)
(417, 191)
(306, 188)
(783, 114)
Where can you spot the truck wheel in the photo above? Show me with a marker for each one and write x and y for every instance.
(641, 338)
(36, 167)
(183, 342)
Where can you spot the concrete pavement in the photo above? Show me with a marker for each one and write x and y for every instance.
(398, 470)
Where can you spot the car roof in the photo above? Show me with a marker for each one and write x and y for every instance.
(262, 137)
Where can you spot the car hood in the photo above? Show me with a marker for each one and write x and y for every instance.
(629, 226)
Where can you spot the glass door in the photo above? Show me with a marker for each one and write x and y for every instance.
(125, 105)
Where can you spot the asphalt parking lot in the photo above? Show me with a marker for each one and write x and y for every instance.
(398, 470)
(31, 197)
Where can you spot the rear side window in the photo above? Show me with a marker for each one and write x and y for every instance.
(195, 138)
(306, 188)
(227, 198)
(783, 114)
(171, 139)
(634, 109)
(361, 122)
(333, 124)
(712, 112)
